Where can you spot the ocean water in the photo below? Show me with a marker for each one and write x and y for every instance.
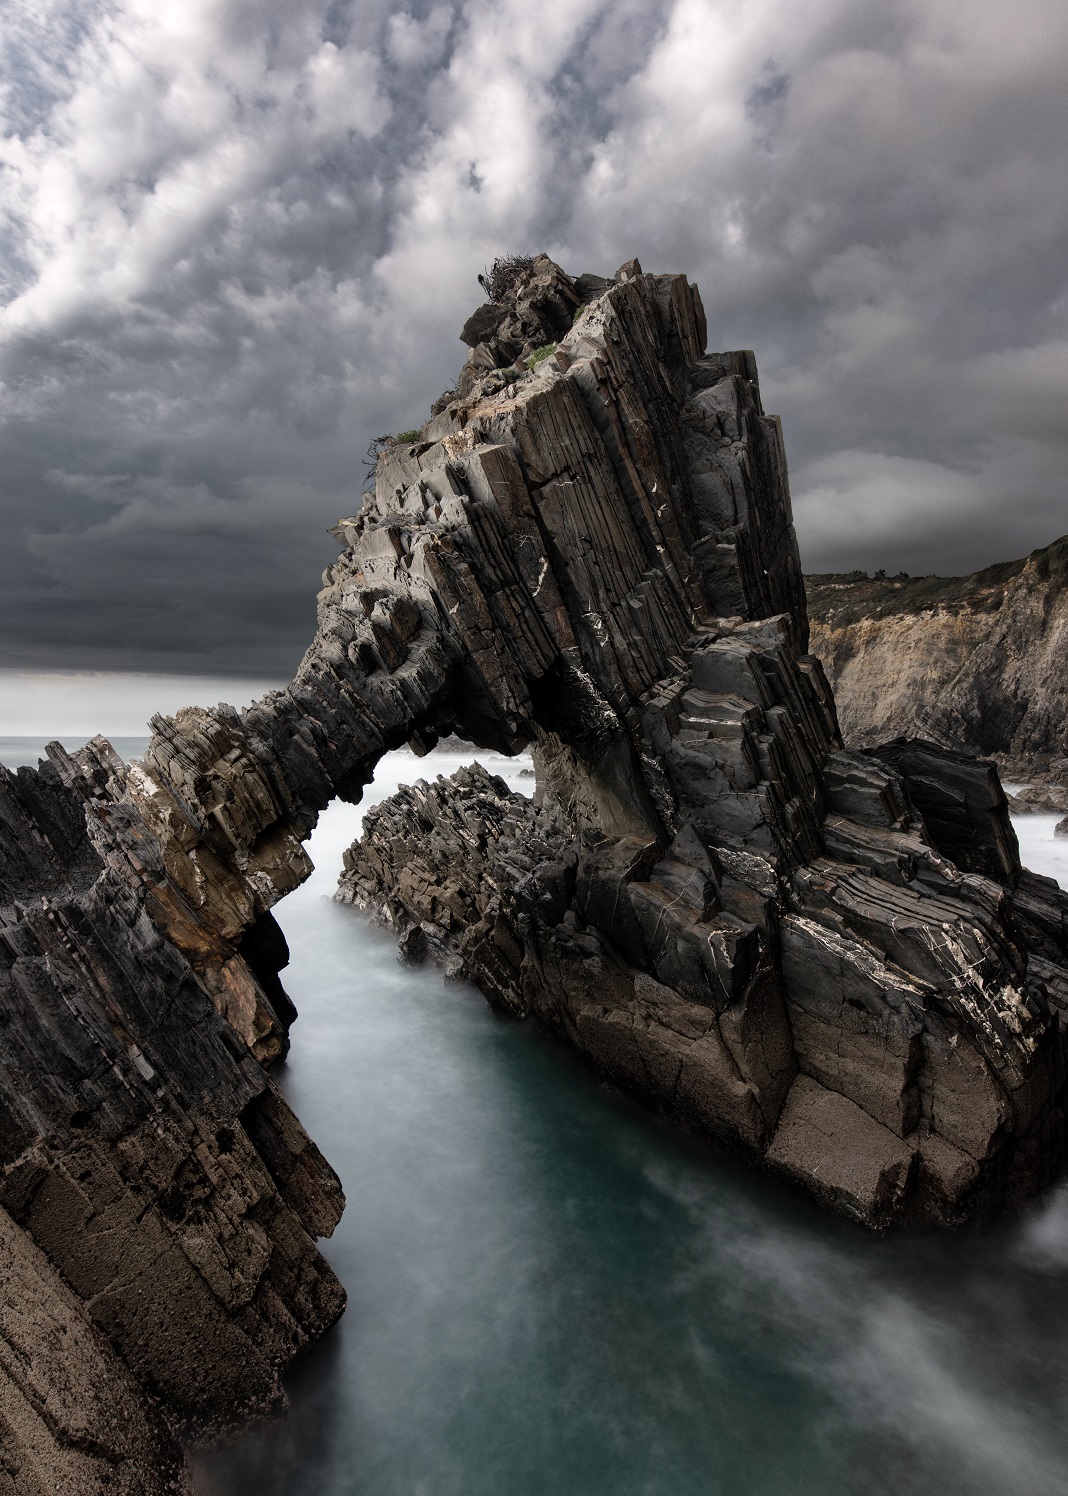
(550, 1293)
(18, 752)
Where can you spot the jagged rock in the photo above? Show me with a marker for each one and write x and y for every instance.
(141, 1141)
(830, 961)
(541, 311)
(1043, 797)
(973, 663)
(722, 898)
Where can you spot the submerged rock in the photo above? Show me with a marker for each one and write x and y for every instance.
(831, 961)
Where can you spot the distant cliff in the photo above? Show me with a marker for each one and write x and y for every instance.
(975, 662)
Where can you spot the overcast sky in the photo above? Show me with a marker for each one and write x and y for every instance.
(240, 239)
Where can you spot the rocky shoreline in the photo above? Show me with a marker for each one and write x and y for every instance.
(832, 961)
(829, 960)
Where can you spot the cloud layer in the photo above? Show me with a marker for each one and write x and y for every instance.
(240, 240)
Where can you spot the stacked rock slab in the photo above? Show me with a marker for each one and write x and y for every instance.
(154, 1185)
(832, 961)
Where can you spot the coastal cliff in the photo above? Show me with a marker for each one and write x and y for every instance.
(830, 961)
(975, 662)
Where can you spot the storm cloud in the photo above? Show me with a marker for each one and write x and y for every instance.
(240, 240)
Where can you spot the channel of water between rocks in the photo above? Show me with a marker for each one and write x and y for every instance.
(551, 1293)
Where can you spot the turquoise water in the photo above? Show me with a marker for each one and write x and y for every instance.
(549, 1293)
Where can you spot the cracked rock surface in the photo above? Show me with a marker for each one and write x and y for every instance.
(831, 961)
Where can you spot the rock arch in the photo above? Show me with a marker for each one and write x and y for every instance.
(832, 960)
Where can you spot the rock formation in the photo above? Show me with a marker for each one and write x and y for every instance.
(73, 1421)
(831, 961)
(155, 1185)
(975, 663)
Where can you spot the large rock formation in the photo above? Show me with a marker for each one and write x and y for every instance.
(830, 960)
(154, 1183)
(974, 663)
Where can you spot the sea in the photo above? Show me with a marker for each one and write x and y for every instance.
(551, 1294)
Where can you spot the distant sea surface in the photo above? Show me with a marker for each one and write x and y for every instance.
(552, 1295)
(17, 753)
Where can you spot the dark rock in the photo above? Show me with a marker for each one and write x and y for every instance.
(829, 961)
(589, 286)
(710, 895)
(483, 324)
(962, 804)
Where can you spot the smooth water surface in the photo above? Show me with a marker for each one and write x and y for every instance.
(549, 1293)
(23, 751)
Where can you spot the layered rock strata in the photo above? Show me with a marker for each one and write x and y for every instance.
(830, 960)
(975, 663)
(151, 1171)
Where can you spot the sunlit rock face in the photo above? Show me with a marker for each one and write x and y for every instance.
(973, 662)
(830, 961)
(146, 1153)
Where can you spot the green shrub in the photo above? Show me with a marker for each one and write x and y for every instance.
(409, 436)
(540, 353)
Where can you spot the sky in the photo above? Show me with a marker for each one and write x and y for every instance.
(240, 239)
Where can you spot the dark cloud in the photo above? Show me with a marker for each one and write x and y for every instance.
(240, 240)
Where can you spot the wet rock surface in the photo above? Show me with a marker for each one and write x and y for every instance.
(831, 961)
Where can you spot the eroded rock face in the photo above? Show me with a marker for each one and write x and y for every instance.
(829, 960)
(973, 662)
(73, 1421)
(146, 1153)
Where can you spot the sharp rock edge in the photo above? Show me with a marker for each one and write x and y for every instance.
(832, 961)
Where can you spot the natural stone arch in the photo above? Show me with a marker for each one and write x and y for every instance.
(524, 574)
(830, 960)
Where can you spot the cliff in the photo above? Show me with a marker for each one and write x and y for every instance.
(973, 662)
(831, 961)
